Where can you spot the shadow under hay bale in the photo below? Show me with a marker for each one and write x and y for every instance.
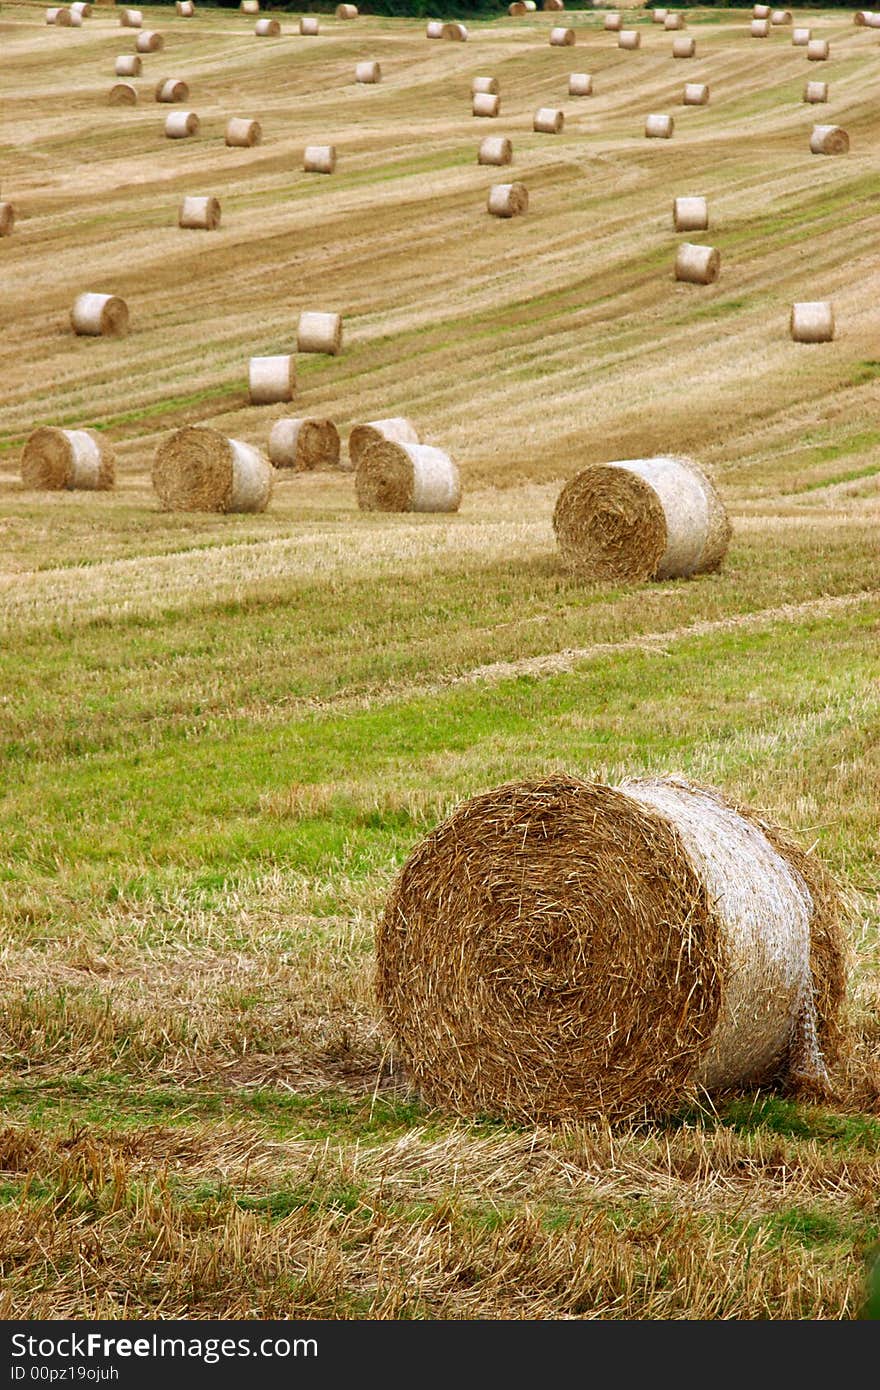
(199, 470)
(560, 950)
(393, 477)
(55, 459)
(303, 445)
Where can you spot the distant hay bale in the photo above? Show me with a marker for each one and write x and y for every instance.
(484, 84)
(760, 11)
(319, 159)
(673, 20)
(812, 322)
(697, 265)
(122, 94)
(640, 519)
(99, 315)
(185, 8)
(780, 16)
(690, 214)
(517, 8)
(548, 120)
(658, 16)
(7, 219)
(683, 46)
(829, 139)
(179, 125)
(629, 39)
(309, 25)
(250, 6)
(149, 41)
(267, 28)
(612, 22)
(397, 429)
(553, 5)
(304, 445)
(76, 18)
(485, 104)
(495, 149)
(347, 11)
(392, 477)
(434, 29)
(659, 126)
(55, 459)
(801, 37)
(861, 17)
(508, 199)
(128, 65)
(199, 213)
(368, 71)
(59, 15)
(82, 8)
(319, 332)
(818, 50)
(561, 38)
(456, 32)
(560, 950)
(172, 89)
(759, 28)
(271, 379)
(580, 84)
(816, 91)
(695, 94)
(196, 469)
(131, 19)
(243, 132)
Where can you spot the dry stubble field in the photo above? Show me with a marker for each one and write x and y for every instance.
(221, 735)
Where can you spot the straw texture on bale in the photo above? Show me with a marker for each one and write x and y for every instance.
(612, 23)
(683, 46)
(508, 199)
(454, 31)
(690, 214)
(434, 29)
(641, 519)
(54, 459)
(149, 42)
(199, 213)
(196, 469)
(82, 8)
(309, 25)
(397, 429)
(99, 315)
(818, 50)
(347, 11)
(76, 19)
(122, 94)
(179, 125)
(368, 71)
(250, 6)
(319, 332)
(780, 16)
(561, 38)
(697, 265)
(392, 477)
(128, 65)
(829, 139)
(673, 21)
(816, 91)
(485, 84)
(7, 219)
(760, 11)
(271, 379)
(561, 950)
(172, 89)
(495, 149)
(812, 322)
(485, 104)
(695, 94)
(659, 126)
(59, 15)
(861, 17)
(304, 444)
(319, 159)
(185, 8)
(873, 20)
(800, 37)
(267, 28)
(759, 28)
(580, 84)
(548, 120)
(243, 132)
(131, 19)
(629, 38)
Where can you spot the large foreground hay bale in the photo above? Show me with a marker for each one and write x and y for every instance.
(561, 37)
(393, 477)
(697, 265)
(199, 213)
(179, 125)
(99, 315)
(639, 519)
(172, 89)
(7, 219)
(562, 950)
(53, 459)
(508, 199)
(243, 132)
(368, 71)
(695, 94)
(319, 332)
(629, 39)
(309, 25)
(690, 214)
(659, 126)
(149, 42)
(319, 159)
(816, 92)
(829, 139)
(199, 470)
(271, 379)
(548, 120)
(818, 50)
(122, 94)
(128, 65)
(304, 444)
(495, 149)
(485, 104)
(397, 429)
(267, 29)
(812, 322)
(580, 84)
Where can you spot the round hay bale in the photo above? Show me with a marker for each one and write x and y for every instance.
(861, 17)
(199, 470)
(780, 16)
(319, 159)
(829, 139)
(484, 104)
(495, 149)
(818, 50)
(517, 8)
(800, 37)
(548, 120)
(873, 20)
(128, 65)
(267, 28)
(7, 219)
(690, 214)
(76, 18)
(172, 89)
(179, 125)
(629, 39)
(673, 20)
(368, 71)
(563, 950)
(812, 322)
(398, 430)
(99, 315)
(392, 477)
(59, 15)
(508, 199)
(347, 11)
(553, 5)
(580, 84)
(484, 84)
(816, 91)
(122, 94)
(658, 16)
(457, 33)
(82, 8)
(309, 25)
(131, 19)
(759, 28)
(250, 6)
(304, 445)
(319, 332)
(271, 379)
(560, 37)
(640, 519)
(199, 213)
(149, 41)
(434, 29)
(55, 459)
(760, 12)
(185, 8)
(659, 126)
(612, 22)
(241, 131)
(697, 265)
(695, 94)
(683, 46)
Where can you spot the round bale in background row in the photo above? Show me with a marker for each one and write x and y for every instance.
(456, 32)
(561, 38)
(812, 322)
(347, 11)
(690, 214)
(553, 5)
(271, 379)
(199, 214)
(760, 11)
(816, 92)
(99, 315)
(580, 84)
(629, 38)
(829, 139)
(548, 120)
(521, 7)
(759, 28)
(82, 8)
(309, 25)
(179, 125)
(673, 20)
(695, 94)
(800, 37)
(508, 199)
(319, 332)
(658, 16)
(563, 950)
(683, 46)
(659, 126)
(128, 65)
(267, 29)
(495, 149)
(304, 445)
(131, 19)
(250, 6)
(172, 89)
(697, 265)
(199, 470)
(7, 219)
(319, 159)
(485, 104)
(434, 29)
(612, 22)
(122, 94)
(368, 71)
(393, 477)
(185, 8)
(780, 16)
(398, 429)
(485, 84)
(58, 15)
(818, 50)
(149, 42)
(243, 132)
(55, 459)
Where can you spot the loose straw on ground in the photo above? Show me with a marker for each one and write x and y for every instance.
(199, 470)
(271, 379)
(304, 445)
(393, 477)
(99, 315)
(319, 332)
(397, 429)
(812, 322)
(55, 459)
(199, 213)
